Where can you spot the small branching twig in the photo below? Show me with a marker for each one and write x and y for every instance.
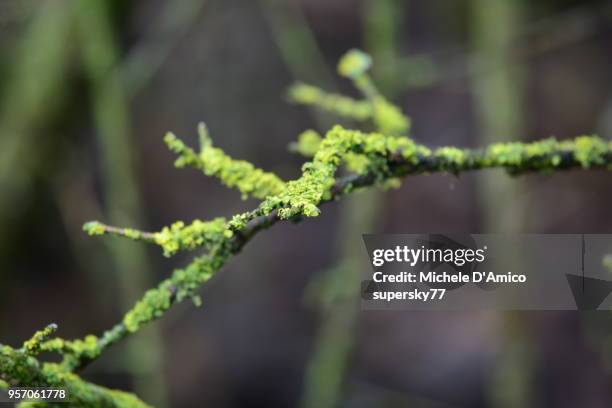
(397, 157)
(240, 174)
(32, 347)
(384, 157)
(19, 368)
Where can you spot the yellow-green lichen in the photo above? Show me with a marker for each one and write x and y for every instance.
(239, 174)
(18, 368)
(590, 150)
(388, 118)
(340, 105)
(307, 144)
(378, 159)
(302, 196)
(33, 345)
(93, 228)
(198, 234)
(354, 64)
(97, 228)
(181, 285)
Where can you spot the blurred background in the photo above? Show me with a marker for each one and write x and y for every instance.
(89, 87)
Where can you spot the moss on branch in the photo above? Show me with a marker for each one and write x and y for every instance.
(338, 104)
(373, 159)
(174, 238)
(355, 65)
(212, 161)
(32, 346)
(18, 368)
(394, 157)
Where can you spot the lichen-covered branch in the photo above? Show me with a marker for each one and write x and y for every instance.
(18, 368)
(212, 161)
(339, 104)
(176, 237)
(384, 157)
(354, 65)
(394, 157)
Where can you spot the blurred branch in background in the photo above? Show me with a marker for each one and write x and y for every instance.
(122, 201)
(395, 73)
(298, 48)
(498, 95)
(498, 99)
(337, 290)
(531, 39)
(32, 94)
(163, 35)
(336, 294)
(381, 21)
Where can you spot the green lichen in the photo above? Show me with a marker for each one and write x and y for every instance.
(387, 158)
(94, 228)
(133, 233)
(378, 158)
(590, 151)
(32, 346)
(307, 144)
(239, 222)
(18, 368)
(340, 105)
(548, 154)
(354, 64)
(84, 394)
(388, 118)
(213, 162)
(176, 237)
(198, 234)
(181, 285)
(152, 305)
(302, 196)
